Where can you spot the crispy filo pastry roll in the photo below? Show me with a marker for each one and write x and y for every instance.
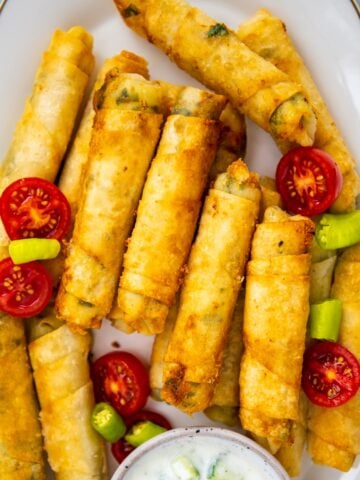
(291, 451)
(59, 359)
(125, 134)
(43, 132)
(73, 172)
(75, 162)
(21, 450)
(334, 433)
(277, 295)
(267, 36)
(168, 211)
(225, 402)
(215, 56)
(220, 251)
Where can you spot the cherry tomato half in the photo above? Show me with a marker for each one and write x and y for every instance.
(122, 448)
(122, 380)
(308, 181)
(331, 374)
(25, 289)
(33, 207)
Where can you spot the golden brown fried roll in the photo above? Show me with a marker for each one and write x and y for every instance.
(124, 136)
(214, 55)
(76, 160)
(334, 433)
(59, 358)
(21, 455)
(43, 132)
(321, 274)
(74, 168)
(266, 35)
(168, 212)
(225, 402)
(277, 297)
(211, 285)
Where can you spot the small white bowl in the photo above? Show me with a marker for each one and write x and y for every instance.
(158, 452)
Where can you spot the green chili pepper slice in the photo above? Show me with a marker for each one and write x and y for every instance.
(338, 231)
(142, 432)
(107, 422)
(325, 318)
(29, 249)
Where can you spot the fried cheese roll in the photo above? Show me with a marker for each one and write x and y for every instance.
(43, 132)
(21, 450)
(334, 433)
(168, 211)
(225, 402)
(76, 160)
(220, 251)
(276, 297)
(124, 137)
(73, 172)
(59, 359)
(266, 35)
(214, 55)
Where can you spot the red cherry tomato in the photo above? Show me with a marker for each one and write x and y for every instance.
(308, 181)
(121, 380)
(122, 448)
(331, 374)
(34, 208)
(25, 289)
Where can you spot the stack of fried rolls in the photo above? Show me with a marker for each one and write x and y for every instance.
(37, 148)
(168, 211)
(195, 352)
(59, 356)
(214, 55)
(124, 136)
(225, 402)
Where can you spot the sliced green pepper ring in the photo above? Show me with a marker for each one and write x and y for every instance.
(325, 319)
(107, 422)
(30, 249)
(142, 432)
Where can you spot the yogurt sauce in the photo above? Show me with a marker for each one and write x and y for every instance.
(236, 462)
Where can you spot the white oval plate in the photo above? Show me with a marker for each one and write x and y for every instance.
(326, 33)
